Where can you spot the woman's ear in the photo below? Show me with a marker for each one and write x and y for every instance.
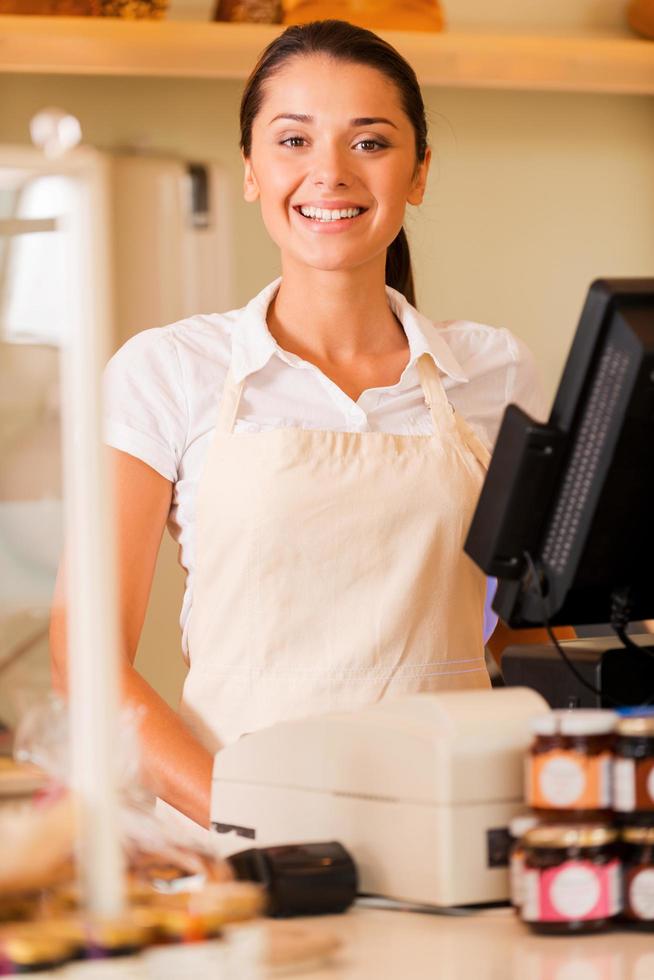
(250, 185)
(417, 191)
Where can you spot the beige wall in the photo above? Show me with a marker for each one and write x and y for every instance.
(531, 197)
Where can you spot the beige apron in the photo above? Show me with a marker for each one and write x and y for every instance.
(330, 571)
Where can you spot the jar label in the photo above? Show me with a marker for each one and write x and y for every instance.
(569, 780)
(641, 894)
(624, 785)
(572, 892)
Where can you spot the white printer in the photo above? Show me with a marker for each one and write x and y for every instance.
(420, 790)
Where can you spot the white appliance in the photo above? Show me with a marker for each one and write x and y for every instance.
(420, 790)
(162, 247)
(171, 241)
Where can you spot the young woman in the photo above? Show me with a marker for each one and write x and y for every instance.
(319, 453)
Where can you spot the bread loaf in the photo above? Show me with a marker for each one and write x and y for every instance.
(401, 15)
(640, 14)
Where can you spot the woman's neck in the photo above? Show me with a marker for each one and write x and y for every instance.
(334, 317)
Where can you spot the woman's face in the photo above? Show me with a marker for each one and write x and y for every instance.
(333, 136)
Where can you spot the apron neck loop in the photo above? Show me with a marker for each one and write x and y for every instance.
(441, 411)
(439, 407)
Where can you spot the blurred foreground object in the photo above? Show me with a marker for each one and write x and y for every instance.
(640, 15)
(35, 847)
(249, 11)
(405, 15)
(129, 9)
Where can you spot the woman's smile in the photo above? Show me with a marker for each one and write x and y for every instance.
(329, 217)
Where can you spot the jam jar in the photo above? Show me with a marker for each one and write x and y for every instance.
(638, 876)
(633, 768)
(517, 829)
(569, 765)
(572, 878)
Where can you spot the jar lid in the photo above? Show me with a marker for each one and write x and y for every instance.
(521, 824)
(570, 835)
(586, 721)
(638, 725)
(544, 724)
(638, 835)
(575, 721)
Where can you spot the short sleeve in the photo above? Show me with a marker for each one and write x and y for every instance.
(523, 384)
(145, 409)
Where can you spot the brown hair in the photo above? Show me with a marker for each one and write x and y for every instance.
(345, 42)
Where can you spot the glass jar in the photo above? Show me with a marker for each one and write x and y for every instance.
(569, 766)
(572, 878)
(638, 876)
(633, 768)
(517, 829)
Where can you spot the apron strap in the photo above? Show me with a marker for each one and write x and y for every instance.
(229, 402)
(442, 412)
(473, 442)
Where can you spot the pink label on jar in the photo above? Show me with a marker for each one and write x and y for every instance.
(574, 891)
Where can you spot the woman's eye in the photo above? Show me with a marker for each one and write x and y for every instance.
(369, 146)
(292, 141)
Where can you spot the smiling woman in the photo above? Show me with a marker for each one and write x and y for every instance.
(317, 454)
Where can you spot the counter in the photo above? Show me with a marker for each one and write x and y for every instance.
(493, 945)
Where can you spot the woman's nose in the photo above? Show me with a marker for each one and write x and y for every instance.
(332, 170)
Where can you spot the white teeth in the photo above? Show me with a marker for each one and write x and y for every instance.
(323, 214)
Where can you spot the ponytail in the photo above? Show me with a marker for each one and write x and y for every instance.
(399, 274)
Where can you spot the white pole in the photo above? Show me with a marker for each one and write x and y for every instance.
(90, 572)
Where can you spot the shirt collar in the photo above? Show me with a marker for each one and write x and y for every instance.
(253, 345)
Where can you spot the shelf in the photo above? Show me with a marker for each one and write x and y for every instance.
(600, 62)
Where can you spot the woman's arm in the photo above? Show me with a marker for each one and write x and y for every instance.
(175, 765)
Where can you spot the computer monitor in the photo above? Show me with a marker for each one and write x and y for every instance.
(565, 519)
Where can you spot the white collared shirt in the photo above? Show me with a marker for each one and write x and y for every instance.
(162, 390)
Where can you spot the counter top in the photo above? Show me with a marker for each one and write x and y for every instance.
(492, 945)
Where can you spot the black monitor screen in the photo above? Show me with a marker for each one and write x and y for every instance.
(565, 519)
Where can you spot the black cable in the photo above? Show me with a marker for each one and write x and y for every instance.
(620, 610)
(620, 616)
(533, 572)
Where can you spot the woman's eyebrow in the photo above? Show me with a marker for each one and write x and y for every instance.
(361, 121)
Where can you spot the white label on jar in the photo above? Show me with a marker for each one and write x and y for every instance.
(530, 910)
(650, 784)
(641, 894)
(575, 892)
(624, 785)
(562, 780)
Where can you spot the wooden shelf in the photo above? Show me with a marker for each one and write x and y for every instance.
(600, 62)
